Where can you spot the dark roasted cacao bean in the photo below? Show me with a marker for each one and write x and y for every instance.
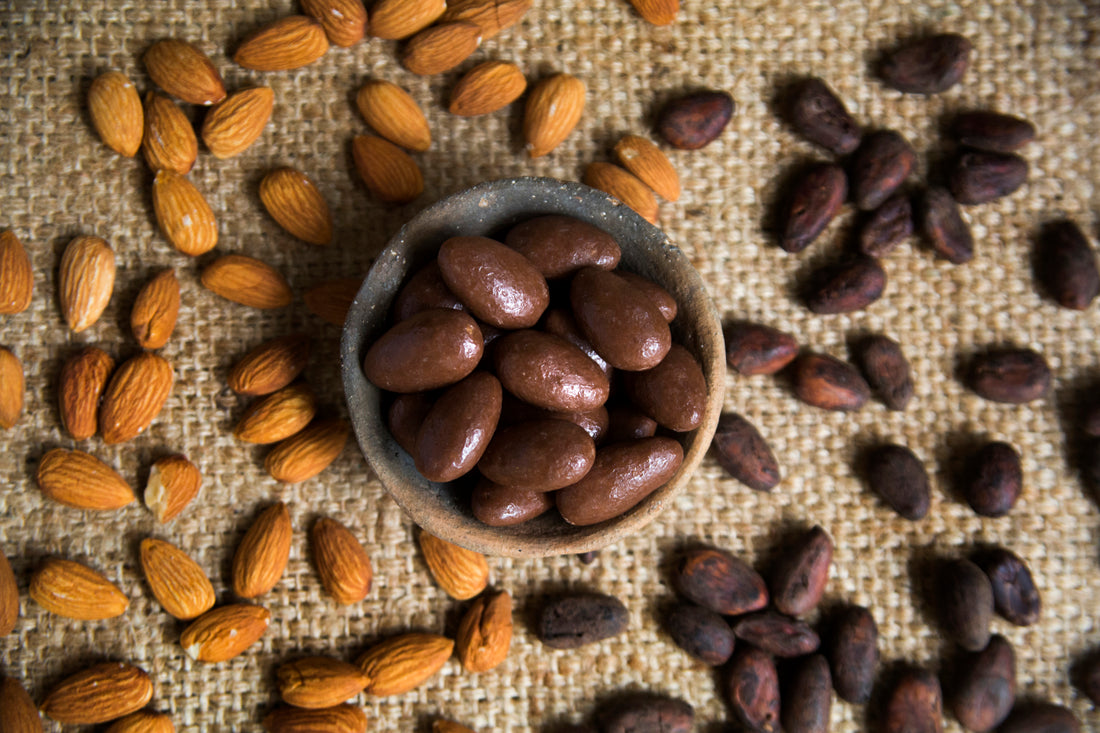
(829, 383)
(1015, 596)
(851, 286)
(886, 369)
(898, 477)
(927, 65)
(645, 713)
(967, 604)
(587, 558)
(1091, 422)
(692, 121)
(853, 654)
(980, 177)
(1066, 265)
(1042, 717)
(571, 621)
(944, 227)
(993, 131)
(887, 226)
(809, 698)
(995, 480)
(881, 164)
(986, 690)
(719, 581)
(800, 578)
(818, 115)
(778, 635)
(742, 451)
(700, 632)
(752, 348)
(915, 704)
(753, 690)
(1091, 678)
(1014, 376)
(815, 200)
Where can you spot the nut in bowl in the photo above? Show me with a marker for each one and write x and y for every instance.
(498, 367)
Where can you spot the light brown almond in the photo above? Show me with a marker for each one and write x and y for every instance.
(288, 43)
(86, 280)
(224, 632)
(20, 714)
(9, 597)
(319, 682)
(342, 563)
(486, 88)
(396, 19)
(247, 281)
(623, 185)
(83, 379)
(173, 483)
(115, 109)
(388, 172)
(645, 160)
(81, 480)
(263, 553)
(178, 583)
(344, 21)
(156, 308)
(441, 47)
(331, 299)
(134, 397)
(404, 662)
(337, 719)
(460, 572)
(270, 366)
(657, 12)
(97, 694)
(277, 416)
(11, 389)
(292, 199)
(185, 218)
(394, 115)
(73, 590)
(307, 453)
(449, 726)
(492, 15)
(143, 722)
(168, 140)
(237, 122)
(184, 71)
(554, 108)
(16, 275)
(485, 633)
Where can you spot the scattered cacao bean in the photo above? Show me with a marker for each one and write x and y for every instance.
(815, 200)
(928, 65)
(778, 635)
(1066, 265)
(587, 558)
(886, 369)
(851, 286)
(1014, 376)
(853, 654)
(646, 712)
(980, 177)
(986, 690)
(1015, 596)
(915, 704)
(967, 604)
(571, 621)
(1042, 717)
(829, 383)
(719, 581)
(881, 164)
(886, 226)
(818, 115)
(692, 121)
(898, 477)
(808, 700)
(1091, 678)
(995, 481)
(753, 348)
(753, 689)
(742, 451)
(944, 227)
(800, 578)
(992, 131)
(700, 632)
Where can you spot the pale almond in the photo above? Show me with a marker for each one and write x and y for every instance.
(460, 572)
(234, 124)
(115, 108)
(449, 726)
(645, 160)
(396, 19)
(485, 633)
(100, 693)
(404, 662)
(441, 47)
(319, 682)
(337, 719)
(225, 632)
(657, 12)
(184, 71)
(81, 480)
(344, 21)
(277, 416)
(248, 281)
(73, 590)
(292, 199)
(156, 308)
(143, 722)
(388, 172)
(331, 299)
(11, 389)
(623, 185)
(83, 378)
(263, 553)
(16, 275)
(9, 597)
(492, 15)
(183, 215)
(134, 397)
(486, 88)
(20, 714)
(394, 115)
(307, 453)
(178, 583)
(554, 108)
(341, 561)
(270, 366)
(169, 139)
(173, 483)
(288, 43)
(86, 280)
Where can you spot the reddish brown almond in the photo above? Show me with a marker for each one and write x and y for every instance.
(554, 108)
(20, 714)
(657, 12)
(232, 126)
(396, 19)
(115, 109)
(460, 572)
(486, 88)
(288, 43)
(388, 172)
(80, 480)
(270, 366)
(485, 633)
(184, 71)
(492, 15)
(292, 199)
(331, 299)
(441, 47)
(143, 722)
(448, 726)
(342, 563)
(319, 682)
(263, 553)
(183, 215)
(623, 185)
(394, 115)
(98, 694)
(648, 163)
(247, 281)
(344, 21)
(156, 308)
(178, 583)
(134, 397)
(168, 140)
(173, 483)
(404, 662)
(337, 719)
(223, 633)
(86, 280)
(11, 389)
(83, 379)
(309, 452)
(9, 598)
(16, 275)
(73, 590)
(277, 416)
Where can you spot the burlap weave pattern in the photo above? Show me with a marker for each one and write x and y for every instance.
(1037, 59)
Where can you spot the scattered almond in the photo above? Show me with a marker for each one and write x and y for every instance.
(247, 281)
(234, 124)
(156, 308)
(277, 416)
(319, 682)
(263, 553)
(307, 453)
(11, 389)
(115, 109)
(98, 694)
(83, 379)
(342, 563)
(173, 483)
(553, 109)
(20, 714)
(486, 88)
(143, 722)
(288, 43)
(134, 397)
(185, 218)
(86, 280)
(344, 21)
(222, 633)
(9, 598)
(404, 662)
(81, 480)
(16, 275)
(460, 572)
(331, 299)
(270, 366)
(389, 173)
(441, 47)
(184, 71)
(292, 199)
(396, 19)
(73, 590)
(337, 719)
(650, 165)
(168, 140)
(657, 12)
(492, 15)
(485, 633)
(449, 726)
(623, 185)
(178, 583)
(394, 115)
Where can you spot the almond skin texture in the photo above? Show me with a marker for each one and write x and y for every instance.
(247, 281)
(331, 300)
(86, 280)
(98, 694)
(262, 555)
(657, 12)
(394, 115)
(485, 633)
(648, 163)
(134, 397)
(11, 389)
(179, 584)
(20, 714)
(183, 215)
(168, 140)
(388, 172)
(393, 20)
(337, 719)
(342, 563)
(293, 200)
(344, 21)
(83, 379)
(143, 722)
(74, 590)
(16, 275)
(81, 480)
(404, 662)
(307, 453)
(319, 682)
(173, 483)
(623, 185)
(486, 88)
(554, 108)
(184, 71)
(224, 632)
(492, 15)
(156, 308)
(9, 597)
(237, 122)
(277, 416)
(441, 47)
(270, 366)
(460, 572)
(288, 43)
(115, 109)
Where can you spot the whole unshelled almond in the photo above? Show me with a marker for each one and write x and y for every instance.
(657, 12)
(394, 115)
(441, 47)
(73, 590)
(492, 15)
(623, 185)
(388, 172)
(287, 43)
(486, 88)
(178, 583)
(9, 597)
(81, 480)
(404, 662)
(20, 714)
(237, 122)
(224, 632)
(115, 109)
(344, 21)
(11, 389)
(86, 280)
(173, 482)
(337, 719)
(648, 163)
(98, 694)
(263, 553)
(460, 572)
(156, 308)
(83, 379)
(184, 71)
(331, 299)
(319, 682)
(16, 275)
(292, 199)
(393, 20)
(134, 397)
(183, 215)
(143, 722)
(247, 281)
(553, 109)
(270, 366)
(307, 453)
(277, 416)
(342, 563)
(485, 633)
(168, 140)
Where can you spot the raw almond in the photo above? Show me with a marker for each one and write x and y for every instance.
(319, 682)
(185, 218)
(178, 583)
(460, 572)
(394, 115)
(98, 694)
(486, 88)
(492, 15)
(81, 480)
(115, 109)
(234, 124)
(396, 19)
(11, 389)
(270, 366)
(184, 71)
(277, 416)
(168, 140)
(263, 553)
(331, 300)
(449, 726)
(20, 714)
(485, 633)
(223, 633)
(344, 21)
(85, 281)
(404, 662)
(247, 281)
(293, 200)
(156, 308)
(657, 12)
(288, 43)
(173, 483)
(143, 722)
(553, 109)
(389, 173)
(441, 47)
(73, 590)
(307, 453)
(623, 185)
(16, 275)
(9, 597)
(83, 379)
(337, 719)
(342, 563)
(134, 397)
(650, 165)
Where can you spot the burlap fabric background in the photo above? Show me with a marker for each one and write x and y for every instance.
(1037, 59)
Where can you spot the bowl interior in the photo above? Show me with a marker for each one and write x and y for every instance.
(490, 209)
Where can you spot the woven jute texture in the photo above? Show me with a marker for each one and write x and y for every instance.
(1037, 59)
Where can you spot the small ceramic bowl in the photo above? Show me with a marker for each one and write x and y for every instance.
(489, 209)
